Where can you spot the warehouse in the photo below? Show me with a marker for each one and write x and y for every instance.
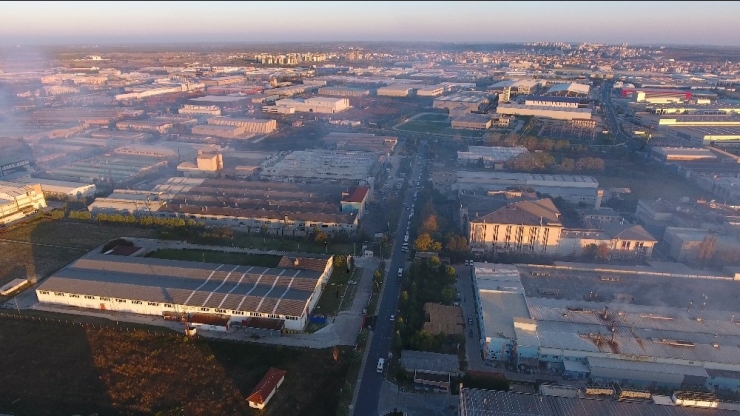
(473, 100)
(431, 91)
(363, 142)
(115, 168)
(699, 136)
(150, 286)
(472, 122)
(19, 201)
(554, 112)
(490, 156)
(59, 189)
(200, 110)
(323, 105)
(682, 154)
(572, 188)
(145, 125)
(331, 165)
(569, 89)
(343, 92)
(224, 132)
(250, 125)
(396, 90)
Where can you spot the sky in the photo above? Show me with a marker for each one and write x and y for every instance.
(690, 23)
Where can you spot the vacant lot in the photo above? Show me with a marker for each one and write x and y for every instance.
(652, 183)
(210, 256)
(335, 289)
(42, 247)
(51, 369)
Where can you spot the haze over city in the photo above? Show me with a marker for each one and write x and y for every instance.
(370, 208)
(693, 23)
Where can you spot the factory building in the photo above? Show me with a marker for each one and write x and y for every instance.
(58, 189)
(343, 92)
(224, 132)
(656, 96)
(286, 294)
(322, 105)
(200, 110)
(19, 201)
(490, 156)
(555, 112)
(127, 202)
(260, 126)
(145, 125)
(362, 142)
(569, 89)
(472, 122)
(206, 165)
(431, 91)
(572, 188)
(700, 136)
(332, 165)
(682, 154)
(396, 90)
(474, 101)
(662, 121)
(718, 107)
(546, 101)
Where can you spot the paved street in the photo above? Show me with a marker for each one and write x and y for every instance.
(371, 381)
(467, 303)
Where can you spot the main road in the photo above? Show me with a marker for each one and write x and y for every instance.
(613, 121)
(371, 382)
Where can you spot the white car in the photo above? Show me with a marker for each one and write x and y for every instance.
(393, 318)
(381, 365)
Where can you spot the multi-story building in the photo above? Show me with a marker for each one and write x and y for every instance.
(19, 201)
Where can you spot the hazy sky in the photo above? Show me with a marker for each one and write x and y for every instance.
(714, 23)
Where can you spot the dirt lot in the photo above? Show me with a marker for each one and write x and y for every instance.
(42, 247)
(52, 368)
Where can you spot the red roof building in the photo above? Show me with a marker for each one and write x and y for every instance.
(354, 200)
(266, 388)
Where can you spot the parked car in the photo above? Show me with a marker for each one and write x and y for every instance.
(470, 321)
(381, 365)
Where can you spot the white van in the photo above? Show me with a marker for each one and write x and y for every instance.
(381, 364)
(400, 271)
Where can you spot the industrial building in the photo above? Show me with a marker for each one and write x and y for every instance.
(158, 126)
(224, 132)
(363, 142)
(700, 136)
(128, 202)
(206, 165)
(549, 111)
(517, 87)
(546, 101)
(717, 107)
(569, 89)
(86, 115)
(474, 101)
(682, 154)
(19, 201)
(431, 91)
(657, 121)
(472, 122)
(200, 110)
(250, 125)
(321, 105)
(332, 165)
(112, 168)
(58, 189)
(610, 324)
(163, 150)
(656, 96)
(150, 286)
(396, 90)
(476, 402)
(490, 156)
(343, 92)
(572, 188)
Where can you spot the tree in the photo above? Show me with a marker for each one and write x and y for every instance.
(320, 237)
(602, 251)
(567, 165)
(335, 354)
(457, 243)
(429, 225)
(589, 251)
(425, 242)
(340, 261)
(707, 248)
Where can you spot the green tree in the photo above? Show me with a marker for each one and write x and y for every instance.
(340, 261)
(321, 237)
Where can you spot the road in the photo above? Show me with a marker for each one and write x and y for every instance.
(612, 120)
(371, 381)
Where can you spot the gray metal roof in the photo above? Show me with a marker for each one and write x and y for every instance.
(241, 288)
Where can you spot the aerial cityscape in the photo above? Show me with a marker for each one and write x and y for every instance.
(370, 208)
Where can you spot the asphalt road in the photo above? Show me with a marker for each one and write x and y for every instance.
(372, 381)
(612, 121)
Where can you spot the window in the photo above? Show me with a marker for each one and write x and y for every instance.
(43, 292)
(58, 294)
(74, 296)
(273, 316)
(220, 310)
(205, 309)
(121, 300)
(152, 303)
(89, 297)
(136, 302)
(237, 313)
(167, 305)
(291, 318)
(105, 299)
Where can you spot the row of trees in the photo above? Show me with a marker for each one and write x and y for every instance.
(541, 161)
(530, 142)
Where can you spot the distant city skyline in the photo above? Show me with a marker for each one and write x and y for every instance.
(706, 23)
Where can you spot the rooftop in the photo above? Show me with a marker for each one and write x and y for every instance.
(266, 386)
(431, 361)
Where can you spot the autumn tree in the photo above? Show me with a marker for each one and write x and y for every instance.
(429, 224)
(456, 243)
(602, 251)
(320, 237)
(425, 242)
(335, 354)
(566, 165)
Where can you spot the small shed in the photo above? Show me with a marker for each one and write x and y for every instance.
(266, 388)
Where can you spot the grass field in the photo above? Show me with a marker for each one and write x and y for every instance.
(435, 127)
(51, 368)
(657, 183)
(210, 256)
(39, 248)
(432, 117)
(329, 301)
